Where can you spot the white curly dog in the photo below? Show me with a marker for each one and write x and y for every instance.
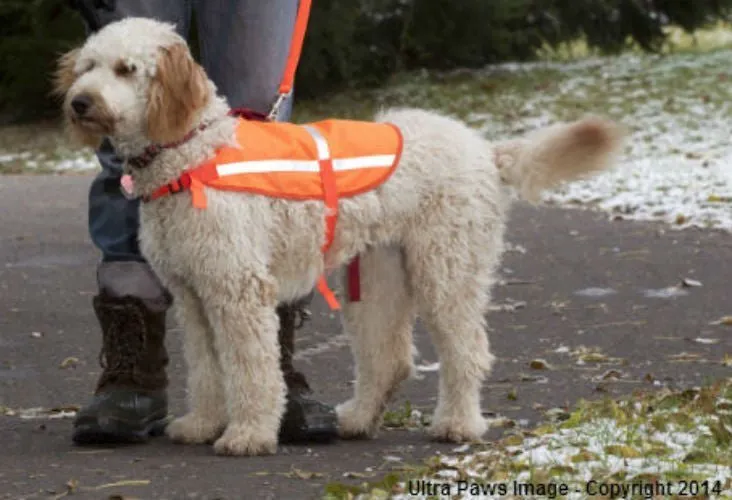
(429, 240)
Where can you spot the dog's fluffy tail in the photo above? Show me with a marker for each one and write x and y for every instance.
(557, 154)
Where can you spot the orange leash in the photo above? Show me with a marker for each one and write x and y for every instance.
(298, 36)
(293, 58)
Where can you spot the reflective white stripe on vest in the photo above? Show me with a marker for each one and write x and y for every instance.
(264, 166)
(374, 161)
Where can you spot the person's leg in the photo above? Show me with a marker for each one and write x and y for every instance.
(130, 399)
(244, 45)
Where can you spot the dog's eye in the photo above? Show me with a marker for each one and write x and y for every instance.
(89, 66)
(124, 69)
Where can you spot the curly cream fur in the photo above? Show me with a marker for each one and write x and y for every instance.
(429, 238)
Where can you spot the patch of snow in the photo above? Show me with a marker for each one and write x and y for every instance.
(559, 447)
(78, 163)
(677, 167)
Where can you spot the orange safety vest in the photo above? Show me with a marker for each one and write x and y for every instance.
(324, 160)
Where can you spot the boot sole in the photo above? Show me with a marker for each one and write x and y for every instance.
(324, 436)
(323, 431)
(117, 432)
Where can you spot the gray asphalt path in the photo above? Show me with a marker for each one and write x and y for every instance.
(573, 282)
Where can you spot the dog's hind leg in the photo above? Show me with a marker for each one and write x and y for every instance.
(450, 272)
(380, 329)
(206, 417)
(241, 308)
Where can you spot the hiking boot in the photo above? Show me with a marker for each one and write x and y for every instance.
(305, 419)
(130, 402)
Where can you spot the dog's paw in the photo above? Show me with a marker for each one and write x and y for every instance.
(240, 440)
(458, 430)
(194, 429)
(353, 423)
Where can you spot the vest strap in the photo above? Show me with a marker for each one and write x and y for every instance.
(180, 184)
(330, 197)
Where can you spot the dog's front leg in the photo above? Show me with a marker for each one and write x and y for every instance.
(242, 313)
(206, 417)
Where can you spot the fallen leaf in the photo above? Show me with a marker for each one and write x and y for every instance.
(715, 198)
(611, 375)
(724, 320)
(593, 357)
(684, 356)
(704, 340)
(126, 482)
(513, 440)
(539, 364)
(687, 282)
(512, 396)
(539, 379)
(68, 411)
(306, 475)
(71, 486)
(501, 422)
(557, 414)
(696, 456)
(720, 432)
(622, 451)
(584, 456)
(91, 452)
(509, 306)
(357, 475)
(69, 362)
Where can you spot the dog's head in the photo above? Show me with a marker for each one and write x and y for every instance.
(133, 81)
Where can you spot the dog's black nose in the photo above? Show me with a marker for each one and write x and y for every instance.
(81, 104)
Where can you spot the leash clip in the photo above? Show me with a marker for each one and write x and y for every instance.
(275, 111)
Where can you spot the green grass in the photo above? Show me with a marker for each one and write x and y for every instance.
(37, 148)
(714, 37)
(666, 436)
(501, 100)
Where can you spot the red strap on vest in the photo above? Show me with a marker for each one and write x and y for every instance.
(330, 197)
(180, 184)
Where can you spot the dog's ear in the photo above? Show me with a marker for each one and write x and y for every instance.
(64, 76)
(178, 91)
